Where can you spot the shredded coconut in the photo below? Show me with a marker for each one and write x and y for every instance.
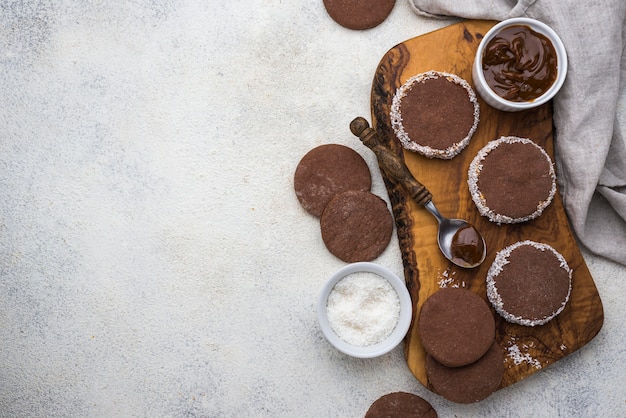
(518, 357)
(447, 279)
(363, 309)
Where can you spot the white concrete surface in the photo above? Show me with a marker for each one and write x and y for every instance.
(154, 260)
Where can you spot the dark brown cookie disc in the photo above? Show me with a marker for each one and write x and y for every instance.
(471, 383)
(359, 14)
(327, 170)
(401, 405)
(456, 327)
(529, 283)
(356, 226)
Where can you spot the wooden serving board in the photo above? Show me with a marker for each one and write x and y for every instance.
(527, 349)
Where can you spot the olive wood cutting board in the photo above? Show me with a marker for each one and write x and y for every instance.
(526, 349)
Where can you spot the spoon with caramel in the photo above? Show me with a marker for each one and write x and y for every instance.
(458, 240)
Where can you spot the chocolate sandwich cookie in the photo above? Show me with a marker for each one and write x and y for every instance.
(435, 114)
(359, 14)
(529, 283)
(401, 404)
(471, 383)
(327, 170)
(456, 327)
(356, 226)
(512, 180)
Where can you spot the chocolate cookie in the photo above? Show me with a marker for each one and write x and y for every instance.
(401, 404)
(356, 226)
(511, 180)
(456, 327)
(529, 283)
(359, 14)
(471, 383)
(327, 170)
(435, 114)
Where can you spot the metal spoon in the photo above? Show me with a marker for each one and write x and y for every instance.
(458, 240)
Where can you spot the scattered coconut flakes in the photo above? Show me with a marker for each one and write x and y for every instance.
(516, 355)
(447, 279)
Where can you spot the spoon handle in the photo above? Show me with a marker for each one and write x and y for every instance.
(390, 162)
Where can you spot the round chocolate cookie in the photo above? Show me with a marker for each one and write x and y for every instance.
(356, 226)
(529, 283)
(471, 383)
(456, 326)
(435, 114)
(359, 14)
(401, 404)
(512, 180)
(327, 170)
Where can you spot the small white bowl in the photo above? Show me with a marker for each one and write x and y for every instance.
(396, 336)
(493, 99)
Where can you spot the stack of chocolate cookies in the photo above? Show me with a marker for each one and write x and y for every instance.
(333, 182)
(464, 363)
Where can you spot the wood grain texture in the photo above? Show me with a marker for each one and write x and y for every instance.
(527, 349)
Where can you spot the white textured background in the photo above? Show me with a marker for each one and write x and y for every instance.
(154, 260)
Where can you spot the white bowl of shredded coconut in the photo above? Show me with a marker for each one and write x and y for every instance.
(364, 310)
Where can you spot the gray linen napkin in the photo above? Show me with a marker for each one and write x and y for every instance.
(589, 111)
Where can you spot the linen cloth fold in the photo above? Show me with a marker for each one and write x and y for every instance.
(589, 111)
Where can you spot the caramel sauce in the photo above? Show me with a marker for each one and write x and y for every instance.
(519, 64)
(467, 246)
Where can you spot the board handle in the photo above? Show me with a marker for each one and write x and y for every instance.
(390, 162)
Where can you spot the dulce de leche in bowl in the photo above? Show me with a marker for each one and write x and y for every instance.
(520, 64)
